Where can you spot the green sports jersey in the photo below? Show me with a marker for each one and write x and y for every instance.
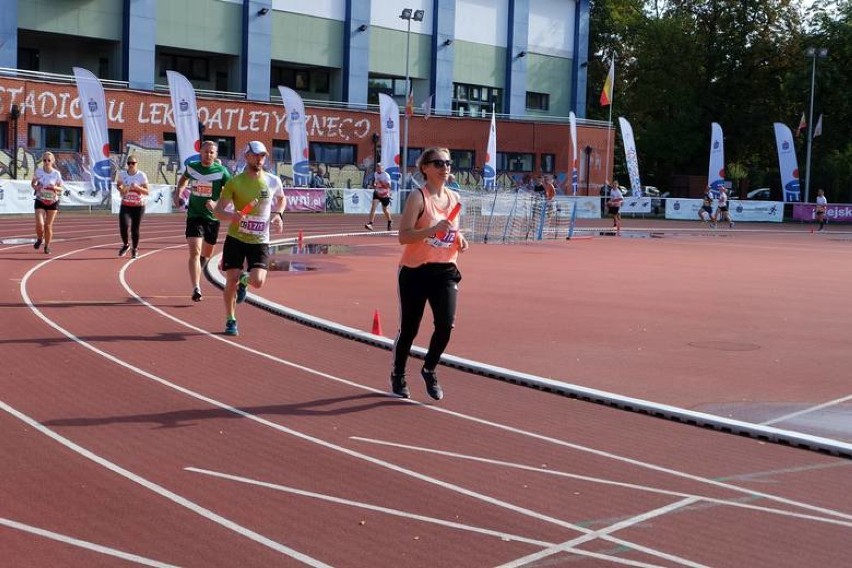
(205, 183)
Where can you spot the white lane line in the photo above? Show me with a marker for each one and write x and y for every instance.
(360, 505)
(626, 523)
(151, 486)
(295, 433)
(602, 481)
(809, 410)
(83, 544)
(160, 490)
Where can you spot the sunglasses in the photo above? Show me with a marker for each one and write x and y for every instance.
(441, 163)
(47, 160)
(131, 163)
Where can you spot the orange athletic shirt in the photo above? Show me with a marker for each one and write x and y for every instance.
(433, 249)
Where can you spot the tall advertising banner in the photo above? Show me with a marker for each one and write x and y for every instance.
(93, 109)
(489, 170)
(295, 125)
(185, 117)
(631, 157)
(787, 162)
(390, 138)
(716, 172)
(575, 173)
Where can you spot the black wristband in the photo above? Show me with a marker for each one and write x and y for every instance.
(280, 214)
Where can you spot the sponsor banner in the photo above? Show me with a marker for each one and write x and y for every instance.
(741, 210)
(299, 154)
(716, 169)
(16, 197)
(788, 164)
(94, 114)
(301, 200)
(836, 213)
(390, 139)
(631, 159)
(636, 206)
(185, 118)
(358, 201)
(489, 170)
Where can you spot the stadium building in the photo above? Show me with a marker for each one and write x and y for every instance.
(525, 59)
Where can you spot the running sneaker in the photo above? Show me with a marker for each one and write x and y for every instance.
(432, 387)
(390, 224)
(37, 244)
(731, 225)
(134, 253)
(368, 226)
(241, 288)
(196, 295)
(231, 327)
(123, 250)
(46, 249)
(398, 385)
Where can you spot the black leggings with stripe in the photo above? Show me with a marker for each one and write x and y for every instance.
(437, 284)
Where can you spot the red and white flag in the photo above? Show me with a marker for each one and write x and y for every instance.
(802, 125)
(409, 104)
(818, 127)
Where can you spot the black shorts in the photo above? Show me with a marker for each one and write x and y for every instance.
(613, 210)
(42, 205)
(820, 214)
(385, 201)
(723, 208)
(237, 254)
(197, 227)
(707, 208)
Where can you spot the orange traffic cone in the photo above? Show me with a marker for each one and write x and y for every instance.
(301, 239)
(377, 324)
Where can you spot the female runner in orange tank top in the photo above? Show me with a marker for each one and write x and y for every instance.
(427, 269)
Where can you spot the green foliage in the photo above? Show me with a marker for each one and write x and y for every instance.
(682, 64)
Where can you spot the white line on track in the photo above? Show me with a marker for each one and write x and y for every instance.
(808, 410)
(83, 544)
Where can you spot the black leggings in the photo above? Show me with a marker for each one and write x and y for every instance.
(434, 283)
(130, 216)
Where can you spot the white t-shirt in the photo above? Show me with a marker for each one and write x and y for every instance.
(132, 198)
(46, 180)
(382, 183)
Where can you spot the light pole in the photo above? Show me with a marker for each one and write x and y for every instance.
(813, 53)
(417, 15)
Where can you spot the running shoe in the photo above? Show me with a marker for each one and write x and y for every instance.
(231, 327)
(390, 224)
(134, 253)
(398, 385)
(369, 226)
(731, 224)
(37, 244)
(241, 288)
(123, 250)
(46, 249)
(432, 387)
(196, 295)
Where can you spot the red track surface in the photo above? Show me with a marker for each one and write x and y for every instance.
(130, 423)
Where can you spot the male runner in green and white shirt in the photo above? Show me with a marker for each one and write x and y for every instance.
(258, 200)
(205, 179)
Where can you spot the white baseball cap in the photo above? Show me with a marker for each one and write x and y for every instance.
(256, 147)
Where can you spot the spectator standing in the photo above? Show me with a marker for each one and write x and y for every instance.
(133, 186)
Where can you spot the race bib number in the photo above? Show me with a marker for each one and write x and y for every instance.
(47, 195)
(132, 198)
(382, 191)
(203, 189)
(253, 226)
(447, 241)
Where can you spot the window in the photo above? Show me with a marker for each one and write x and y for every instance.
(61, 138)
(314, 80)
(388, 85)
(116, 139)
(281, 150)
(548, 163)
(193, 68)
(413, 154)
(226, 145)
(463, 159)
(170, 144)
(4, 134)
(475, 100)
(514, 162)
(28, 59)
(333, 154)
(538, 101)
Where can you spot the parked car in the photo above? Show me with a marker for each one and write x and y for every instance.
(759, 193)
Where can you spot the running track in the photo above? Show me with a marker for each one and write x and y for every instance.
(134, 433)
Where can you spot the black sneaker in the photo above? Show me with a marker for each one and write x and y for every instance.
(46, 249)
(134, 253)
(123, 250)
(390, 224)
(196, 295)
(432, 387)
(369, 226)
(37, 244)
(399, 386)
